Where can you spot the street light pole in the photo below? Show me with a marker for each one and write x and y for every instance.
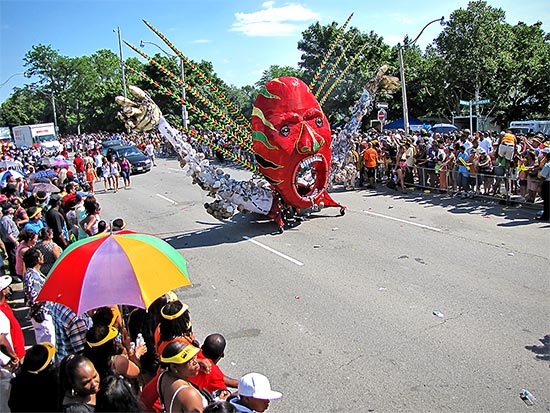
(54, 113)
(52, 100)
(403, 91)
(184, 117)
(26, 74)
(402, 70)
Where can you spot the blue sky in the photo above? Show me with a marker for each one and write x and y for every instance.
(240, 37)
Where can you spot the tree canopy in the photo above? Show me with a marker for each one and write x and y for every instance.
(478, 55)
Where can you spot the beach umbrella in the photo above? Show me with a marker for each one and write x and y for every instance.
(44, 186)
(125, 267)
(61, 163)
(16, 174)
(45, 173)
(45, 161)
(11, 164)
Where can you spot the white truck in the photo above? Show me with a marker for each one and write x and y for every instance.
(530, 126)
(5, 135)
(41, 135)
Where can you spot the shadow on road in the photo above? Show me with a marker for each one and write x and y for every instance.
(542, 351)
(223, 232)
(517, 214)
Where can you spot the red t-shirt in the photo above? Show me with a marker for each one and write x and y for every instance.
(17, 338)
(78, 164)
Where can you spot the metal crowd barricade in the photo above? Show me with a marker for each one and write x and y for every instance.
(494, 187)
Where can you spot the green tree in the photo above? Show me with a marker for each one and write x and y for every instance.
(525, 93)
(361, 54)
(276, 71)
(104, 84)
(23, 107)
(480, 56)
(243, 98)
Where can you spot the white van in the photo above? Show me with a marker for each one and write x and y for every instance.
(530, 126)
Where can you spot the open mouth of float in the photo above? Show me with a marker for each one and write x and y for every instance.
(310, 177)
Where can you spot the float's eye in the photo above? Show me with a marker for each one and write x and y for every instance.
(285, 130)
(319, 121)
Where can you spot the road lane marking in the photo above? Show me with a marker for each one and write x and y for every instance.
(403, 221)
(167, 199)
(280, 254)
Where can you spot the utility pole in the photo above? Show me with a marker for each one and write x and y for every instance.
(121, 61)
(54, 114)
(403, 90)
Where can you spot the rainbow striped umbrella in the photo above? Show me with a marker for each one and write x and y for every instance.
(124, 267)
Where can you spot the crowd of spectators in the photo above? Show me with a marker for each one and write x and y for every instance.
(109, 359)
(484, 163)
(127, 359)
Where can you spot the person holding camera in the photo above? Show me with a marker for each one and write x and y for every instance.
(33, 281)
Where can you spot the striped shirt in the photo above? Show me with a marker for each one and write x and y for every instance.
(70, 330)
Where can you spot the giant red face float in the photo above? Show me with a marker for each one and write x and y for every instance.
(291, 140)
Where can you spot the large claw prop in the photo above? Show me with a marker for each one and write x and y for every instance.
(141, 114)
(382, 82)
(342, 144)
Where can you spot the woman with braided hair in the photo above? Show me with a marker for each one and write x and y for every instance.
(175, 325)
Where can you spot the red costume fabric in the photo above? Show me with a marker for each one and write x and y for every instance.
(291, 141)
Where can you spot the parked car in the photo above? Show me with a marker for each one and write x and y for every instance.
(105, 145)
(139, 161)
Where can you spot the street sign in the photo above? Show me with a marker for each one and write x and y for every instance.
(381, 115)
(382, 105)
(479, 102)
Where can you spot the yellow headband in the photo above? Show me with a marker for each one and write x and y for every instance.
(38, 210)
(183, 309)
(182, 357)
(51, 352)
(113, 332)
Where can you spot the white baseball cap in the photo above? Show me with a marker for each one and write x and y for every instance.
(5, 281)
(256, 385)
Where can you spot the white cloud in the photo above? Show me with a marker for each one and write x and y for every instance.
(268, 29)
(393, 39)
(273, 21)
(201, 41)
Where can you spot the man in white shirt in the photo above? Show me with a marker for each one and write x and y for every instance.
(150, 150)
(487, 144)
